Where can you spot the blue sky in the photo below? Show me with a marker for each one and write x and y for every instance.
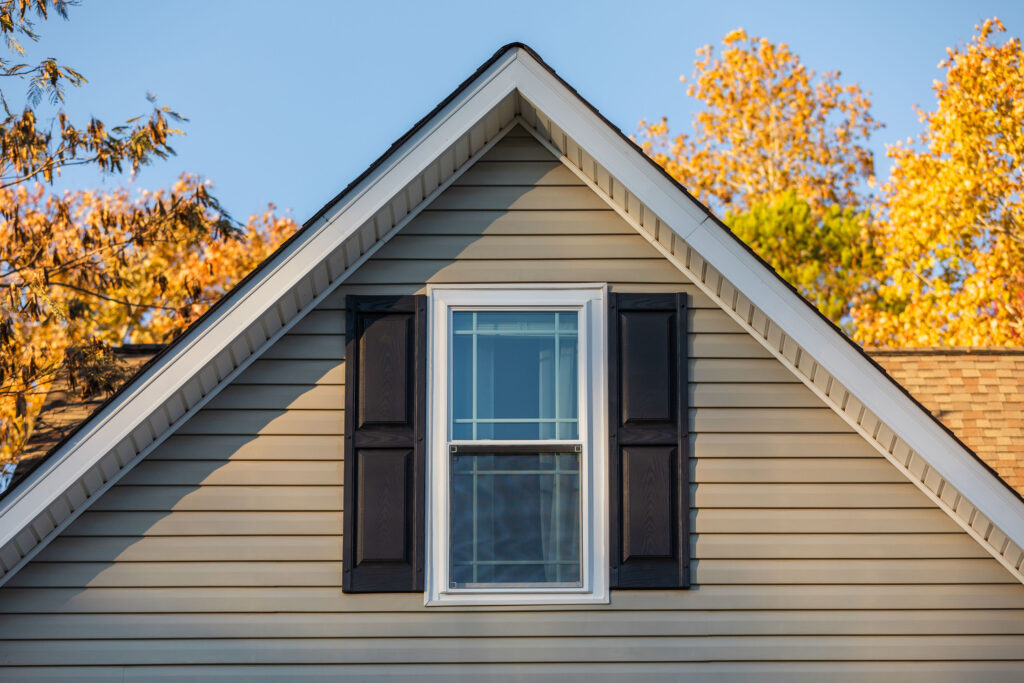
(288, 102)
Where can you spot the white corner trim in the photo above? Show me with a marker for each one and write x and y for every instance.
(590, 301)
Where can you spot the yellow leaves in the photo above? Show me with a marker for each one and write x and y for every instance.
(950, 218)
(767, 126)
(953, 234)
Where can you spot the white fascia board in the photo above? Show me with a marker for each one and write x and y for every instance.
(691, 223)
(246, 305)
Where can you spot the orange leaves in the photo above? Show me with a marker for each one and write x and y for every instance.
(768, 125)
(87, 270)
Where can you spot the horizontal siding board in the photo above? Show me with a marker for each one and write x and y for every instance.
(519, 223)
(518, 149)
(249, 447)
(514, 650)
(141, 574)
(856, 597)
(321, 322)
(129, 549)
(279, 396)
(518, 173)
(307, 346)
(753, 396)
(577, 672)
(711, 345)
(738, 370)
(294, 546)
(500, 247)
(795, 471)
(448, 271)
(926, 520)
(709, 321)
(807, 496)
(235, 473)
(521, 198)
(706, 572)
(766, 420)
(298, 422)
(293, 372)
(929, 520)
(780, 445)
(835, 546)
(209, 498)
(214, 524)
(513, 624)
(846, 571)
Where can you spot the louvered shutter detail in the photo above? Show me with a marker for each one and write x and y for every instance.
(649, 477)
(385, 423)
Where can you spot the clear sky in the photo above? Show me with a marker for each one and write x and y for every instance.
(288, 102)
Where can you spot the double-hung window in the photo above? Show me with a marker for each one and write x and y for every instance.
(516, 471)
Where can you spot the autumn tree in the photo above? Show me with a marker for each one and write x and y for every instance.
(767, 125)
(80, 272)
(782, 153)
(816, 253)
(953, 229)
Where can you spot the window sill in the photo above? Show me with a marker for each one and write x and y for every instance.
(494, 598)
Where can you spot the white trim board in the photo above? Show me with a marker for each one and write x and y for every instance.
(339, 241)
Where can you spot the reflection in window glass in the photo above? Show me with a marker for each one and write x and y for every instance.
(514, 375)
(515, 520)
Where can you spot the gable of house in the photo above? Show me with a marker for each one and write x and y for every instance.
(220, 552)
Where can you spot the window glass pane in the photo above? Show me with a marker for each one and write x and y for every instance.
(515, 519)
(515, 375)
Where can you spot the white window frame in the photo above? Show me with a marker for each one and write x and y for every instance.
(590, 302)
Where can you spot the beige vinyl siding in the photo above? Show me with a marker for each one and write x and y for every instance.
(220, 553)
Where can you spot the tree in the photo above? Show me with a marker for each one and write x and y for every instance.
(817, 255)
(953, 230)
(781, 152)
(80, 272)
(767, 126)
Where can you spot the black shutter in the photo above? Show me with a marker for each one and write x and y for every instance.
(649, 475)
(385, 423)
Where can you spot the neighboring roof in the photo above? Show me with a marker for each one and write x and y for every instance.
(515, 87)
(63, 411)
(976, 392)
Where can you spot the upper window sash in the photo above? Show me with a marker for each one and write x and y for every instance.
(514, 375)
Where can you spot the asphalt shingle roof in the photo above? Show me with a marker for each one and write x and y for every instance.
(977, 392)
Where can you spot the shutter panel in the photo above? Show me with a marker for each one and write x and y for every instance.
(385, 422)
(649, 476)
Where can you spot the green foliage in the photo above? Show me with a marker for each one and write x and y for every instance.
(828, 259)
